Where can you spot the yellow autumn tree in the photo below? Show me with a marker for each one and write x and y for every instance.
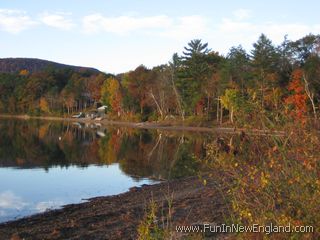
(111, 95)
(24, 72)
(44, 106)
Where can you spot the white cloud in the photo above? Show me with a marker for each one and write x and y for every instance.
(160, 25)
(295, 31)
(8, 200)
(233, 26)
(241, 14)
(15, 21)
(186, 27)
(235, 31)
(124, 24)
(43, 206)
(58, 20)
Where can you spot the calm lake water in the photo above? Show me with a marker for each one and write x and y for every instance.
(44, 165)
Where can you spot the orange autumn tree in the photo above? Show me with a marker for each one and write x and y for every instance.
(297, 101)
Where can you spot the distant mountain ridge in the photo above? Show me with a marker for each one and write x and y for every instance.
(15, 65)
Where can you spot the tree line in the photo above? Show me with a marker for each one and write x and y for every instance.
(51, 91)
(274, 82)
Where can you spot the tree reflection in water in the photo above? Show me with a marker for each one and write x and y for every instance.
(139, 153)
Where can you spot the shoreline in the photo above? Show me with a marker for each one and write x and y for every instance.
(119, 216)
(153, 125)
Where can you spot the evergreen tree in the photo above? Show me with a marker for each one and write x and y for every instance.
(193, 74)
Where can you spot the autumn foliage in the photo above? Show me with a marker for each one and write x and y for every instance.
(111, 95)
(43, 104)
(264, 88)
(297, 101)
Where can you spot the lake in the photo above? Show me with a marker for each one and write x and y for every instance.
(45, 165)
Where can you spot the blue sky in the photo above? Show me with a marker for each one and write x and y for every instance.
(118, 35)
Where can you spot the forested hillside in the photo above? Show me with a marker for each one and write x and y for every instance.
(55, 90)
(15, 65)
(272, 83)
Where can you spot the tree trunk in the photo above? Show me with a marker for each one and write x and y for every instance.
(157, 104)
(262, 88)
(221, 112)
(218, 110)
(310, 96)
(208, 105)
(181, 111)
(231, 115)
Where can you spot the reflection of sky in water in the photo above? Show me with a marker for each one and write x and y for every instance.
(28, 191)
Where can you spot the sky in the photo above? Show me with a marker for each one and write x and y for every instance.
(116, 36)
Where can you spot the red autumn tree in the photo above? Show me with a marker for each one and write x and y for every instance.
(297, 101)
